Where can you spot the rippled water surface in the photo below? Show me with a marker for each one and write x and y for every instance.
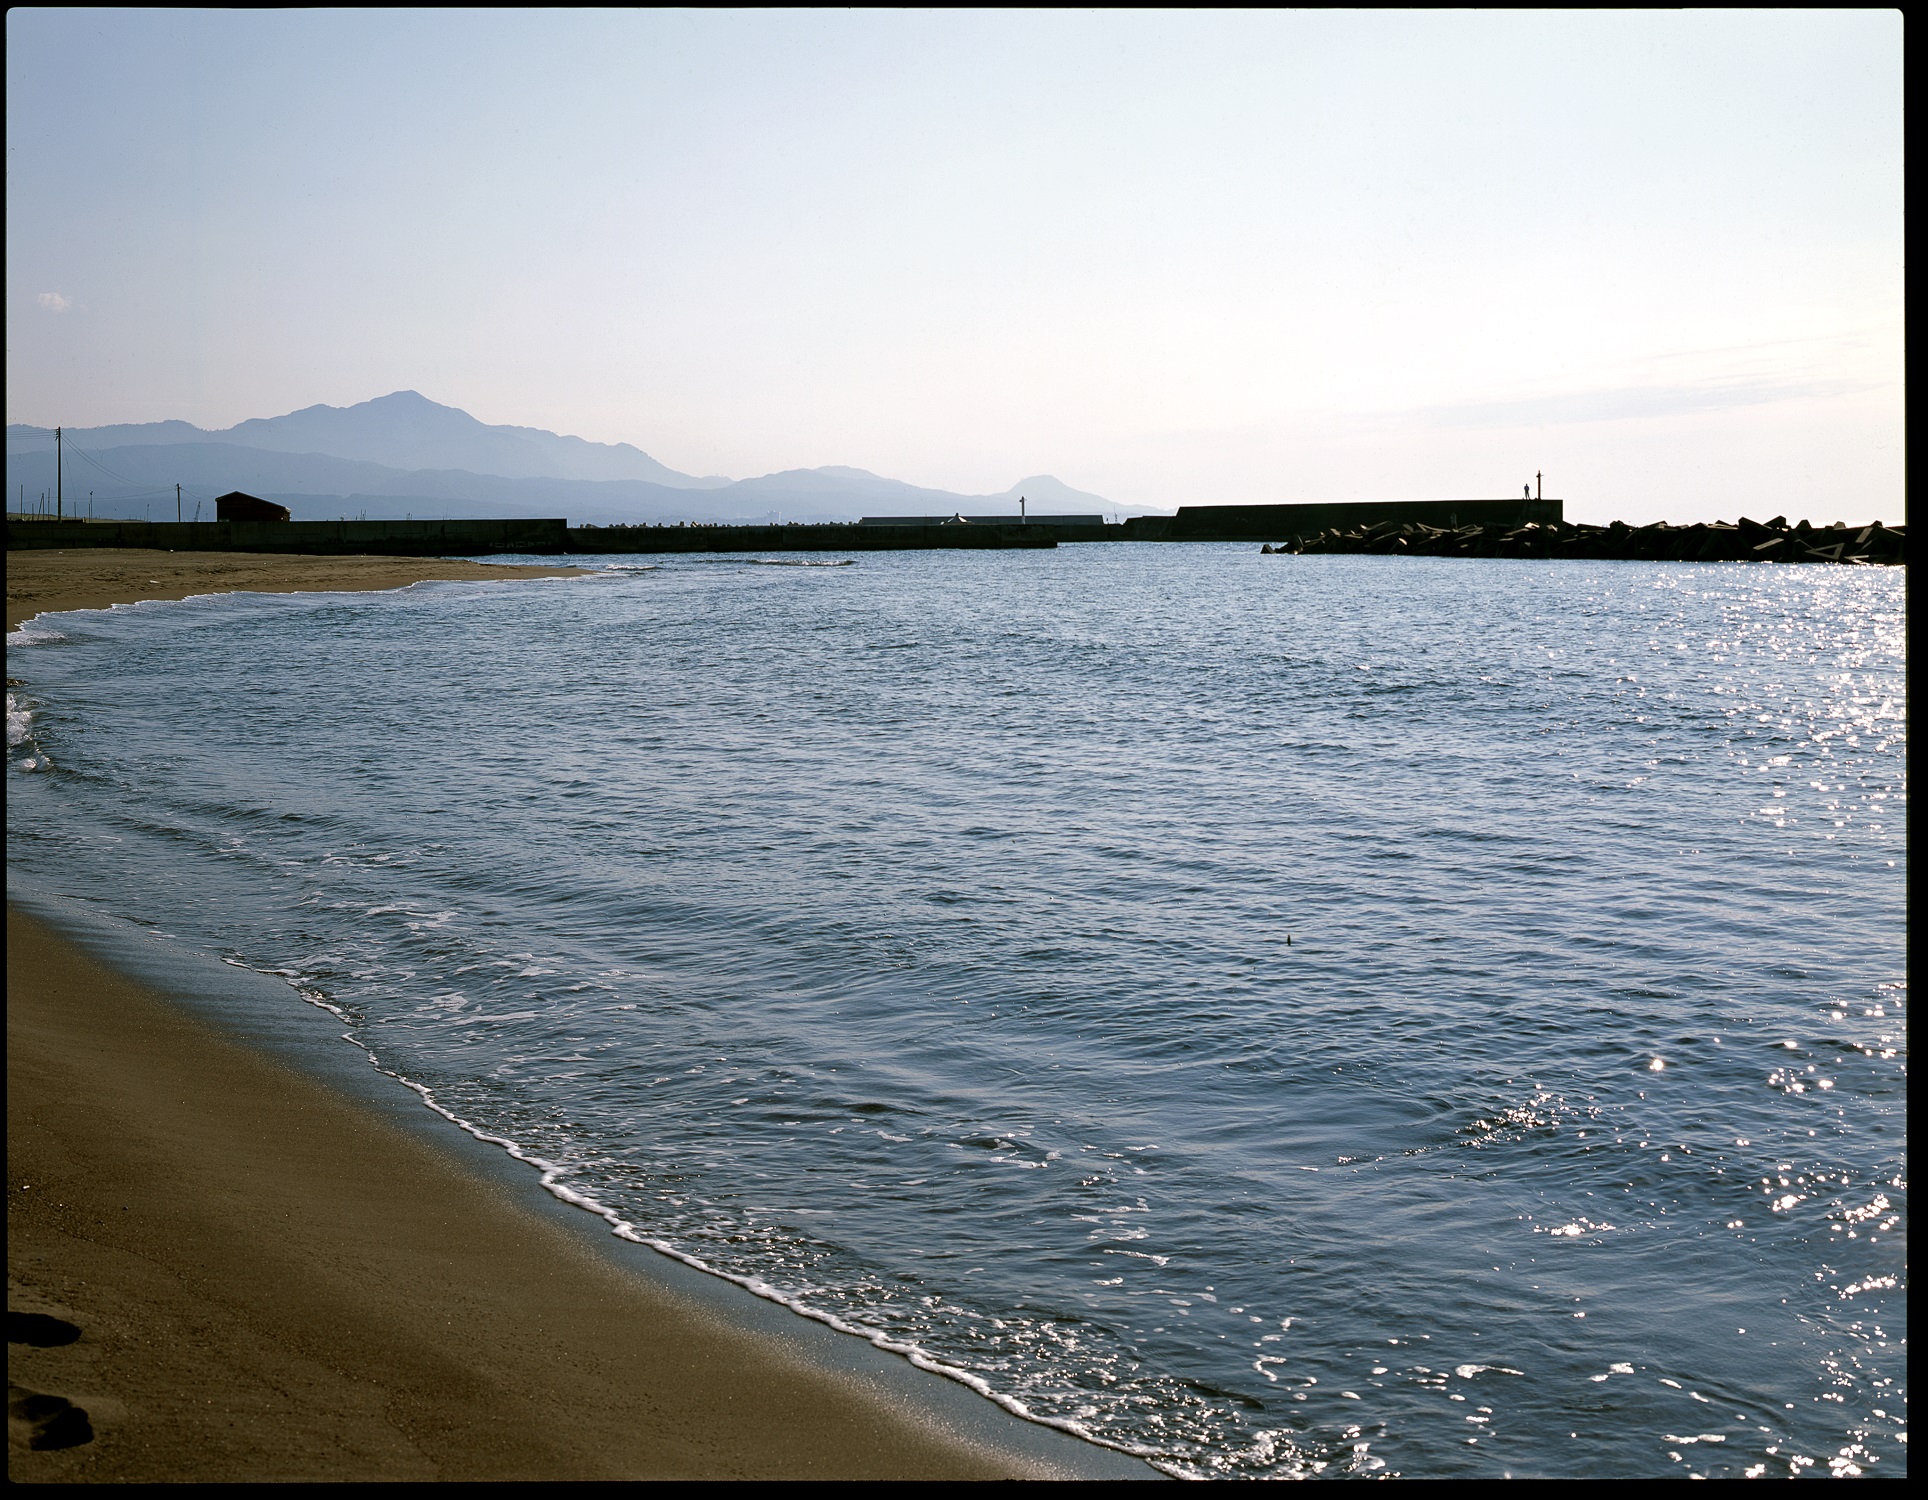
(1339, 1015)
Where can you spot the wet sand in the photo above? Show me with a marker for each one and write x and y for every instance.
(271, 1281)
(95, 577)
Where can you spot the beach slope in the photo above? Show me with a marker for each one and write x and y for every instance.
(270, 1282)
(230, 1271)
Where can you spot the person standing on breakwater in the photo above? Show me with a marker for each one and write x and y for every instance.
(1529, 492)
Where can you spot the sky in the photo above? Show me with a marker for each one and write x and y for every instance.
(1169, 257)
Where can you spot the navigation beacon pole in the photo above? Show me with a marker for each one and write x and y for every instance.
(1020, 510)
(57, 474)
(177, 502)
(1537, 477)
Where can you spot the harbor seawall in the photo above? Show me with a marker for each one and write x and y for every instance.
(804, 538)
(388, 538)
(1267, 523)
(1460, 528)
(542, 537)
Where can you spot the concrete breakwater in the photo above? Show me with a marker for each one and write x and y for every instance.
(541, 537)
(1718, 541)
(1264, 523)
(327, 538)
(1512, 528)
(831, 537)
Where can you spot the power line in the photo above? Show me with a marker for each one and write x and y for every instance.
(139, 493)
(98, 464)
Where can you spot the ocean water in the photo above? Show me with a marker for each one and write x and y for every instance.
(1339, 1016)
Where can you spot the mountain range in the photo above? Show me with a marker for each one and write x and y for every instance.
(403, 454)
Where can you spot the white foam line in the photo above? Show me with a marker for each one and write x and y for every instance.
(30, 632)
(551, 1175)
(19, 722)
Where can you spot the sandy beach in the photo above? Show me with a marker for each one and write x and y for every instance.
(95, 577)
(270, 1281)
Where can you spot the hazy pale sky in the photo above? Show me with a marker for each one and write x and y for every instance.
(1172, 258)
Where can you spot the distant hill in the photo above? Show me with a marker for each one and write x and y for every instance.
(138, 482)
(407, 431)
(403, 454)
(1047, 494)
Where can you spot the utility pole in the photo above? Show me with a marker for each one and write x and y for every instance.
(57, 477)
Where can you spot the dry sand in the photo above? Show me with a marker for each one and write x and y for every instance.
(270, 1281)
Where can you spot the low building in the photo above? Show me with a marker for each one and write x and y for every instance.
(235, 506)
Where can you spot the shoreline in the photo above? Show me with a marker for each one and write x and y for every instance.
(282, 1267)
(40, 582)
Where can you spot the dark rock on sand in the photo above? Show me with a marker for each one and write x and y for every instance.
(41, 1422)
(39, 1329)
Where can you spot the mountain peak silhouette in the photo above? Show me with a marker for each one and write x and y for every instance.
(407, 430)
(418, 452)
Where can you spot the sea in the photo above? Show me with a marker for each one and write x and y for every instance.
(1283, 1017)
